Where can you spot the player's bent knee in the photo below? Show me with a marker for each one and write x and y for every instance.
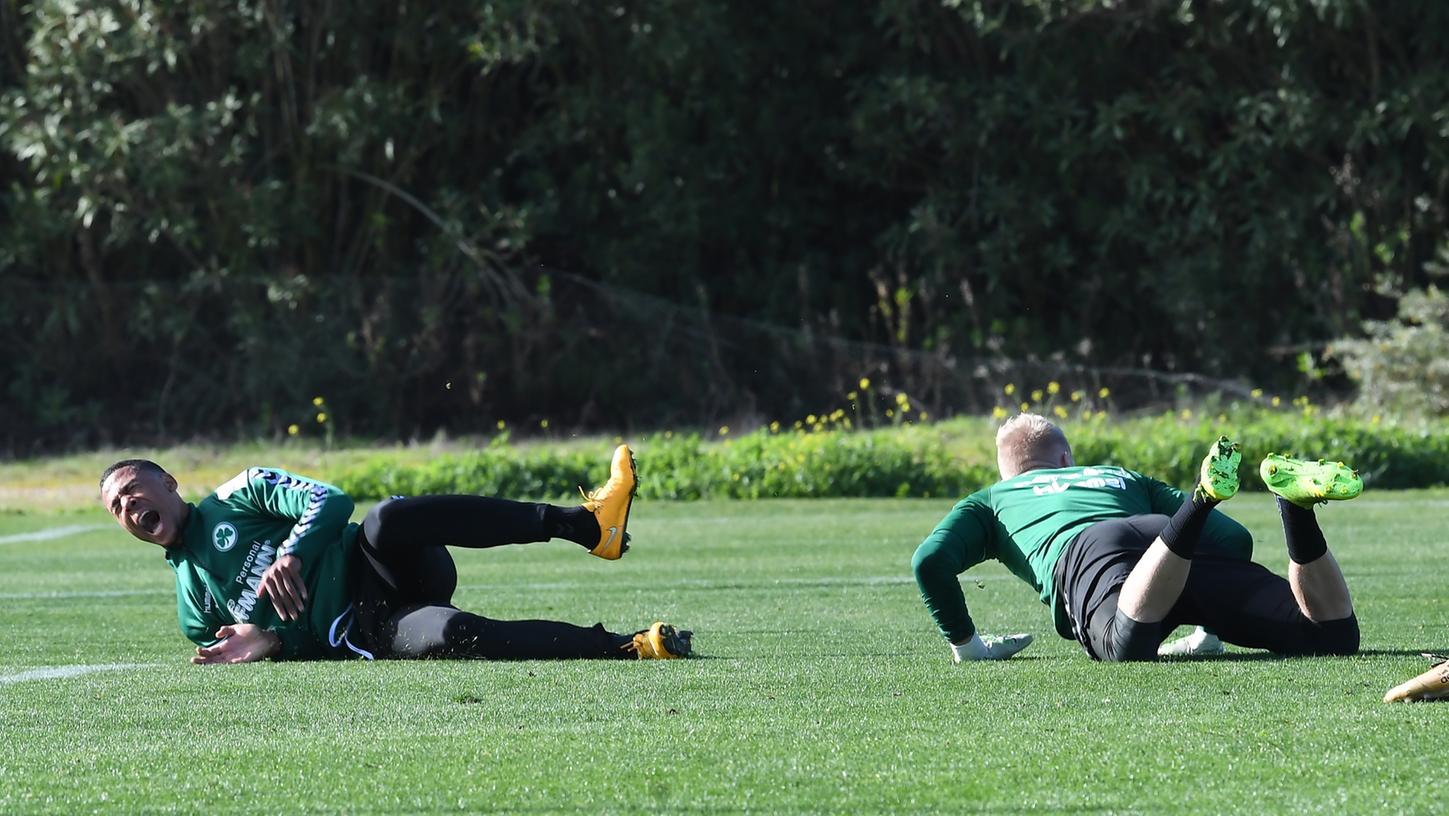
(1339, 637)
(1130, 640)
(1335, 637)
(375, 523)
(931, 558)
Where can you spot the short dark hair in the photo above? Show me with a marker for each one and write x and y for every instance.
(139, 464)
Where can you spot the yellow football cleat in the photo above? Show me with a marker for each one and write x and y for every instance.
(610, 505)
(660, 642)
(1431, 685)
(1307, 483)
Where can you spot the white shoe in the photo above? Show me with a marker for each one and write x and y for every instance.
(1201, 643)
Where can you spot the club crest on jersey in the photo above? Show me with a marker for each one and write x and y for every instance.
(224, 536)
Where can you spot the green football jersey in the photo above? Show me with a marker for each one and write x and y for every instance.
(236, 533)
(1026, 523)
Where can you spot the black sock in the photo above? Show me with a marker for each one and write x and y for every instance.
(575, 524)
(1300, 528)
(1182, 532)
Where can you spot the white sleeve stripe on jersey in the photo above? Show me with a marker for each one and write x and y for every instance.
(316, 498)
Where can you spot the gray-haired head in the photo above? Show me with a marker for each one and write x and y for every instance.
(1030, 442)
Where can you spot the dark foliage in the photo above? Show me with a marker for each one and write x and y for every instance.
(635, 213)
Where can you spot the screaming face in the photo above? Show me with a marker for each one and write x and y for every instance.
(146, 505)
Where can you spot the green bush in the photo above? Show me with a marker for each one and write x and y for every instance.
(1387, 455)
(1402, 366)
(936, 461)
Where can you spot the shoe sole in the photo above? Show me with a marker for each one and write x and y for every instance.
(1307, 483)
(1220, 650)
(1218, 477)
(677, 642)
(629, 508)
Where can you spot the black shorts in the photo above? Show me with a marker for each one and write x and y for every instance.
(1243, 602)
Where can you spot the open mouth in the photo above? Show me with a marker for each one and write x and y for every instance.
(150, 520)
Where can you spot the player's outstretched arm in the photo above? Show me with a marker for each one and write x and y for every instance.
(989, 647)
(239, 643)
(958, 543)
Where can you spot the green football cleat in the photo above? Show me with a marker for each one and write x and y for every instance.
(1218, 478)
(1307, 483)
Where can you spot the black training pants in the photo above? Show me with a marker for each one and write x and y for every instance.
(404, 579)
(1245, 603)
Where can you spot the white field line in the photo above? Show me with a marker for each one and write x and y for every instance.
(52, 533)
(65, 672)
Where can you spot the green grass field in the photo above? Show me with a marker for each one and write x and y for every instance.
(821, 686)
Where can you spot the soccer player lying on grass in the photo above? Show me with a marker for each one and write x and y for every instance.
(269, 566)
(1122, 559)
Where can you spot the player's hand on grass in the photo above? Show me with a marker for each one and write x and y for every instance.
(241, 643)
(282, 582)
(990, 647)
